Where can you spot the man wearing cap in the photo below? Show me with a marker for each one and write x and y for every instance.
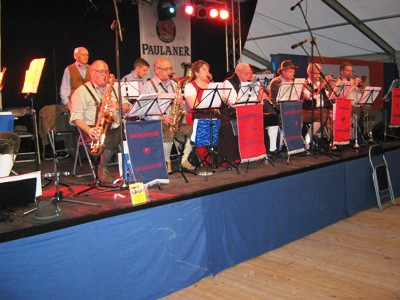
(286, 74)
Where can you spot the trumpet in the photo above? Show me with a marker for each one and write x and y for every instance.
(361, 84)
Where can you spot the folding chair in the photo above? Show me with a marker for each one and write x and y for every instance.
(82, 143)
(26, 128)
(381, 176)
(56, 118)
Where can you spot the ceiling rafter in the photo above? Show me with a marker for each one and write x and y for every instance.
(358, 24)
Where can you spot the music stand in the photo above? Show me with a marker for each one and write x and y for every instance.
(263, 79)
(341, 90)
(368, 98)
(290, 91)
(165, 102)
(129, 89)
(248, 93)
(211, 99)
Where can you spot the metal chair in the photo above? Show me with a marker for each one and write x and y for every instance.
(82, 143)
(26, 133)
(56, 118)
(381, 176)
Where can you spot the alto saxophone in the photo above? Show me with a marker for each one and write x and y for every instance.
(176, 111)
(105, 120)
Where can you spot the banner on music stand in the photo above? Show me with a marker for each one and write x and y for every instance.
(291, 125)
(395, 114)
(250, 124)
(341, 131)
(146, 151)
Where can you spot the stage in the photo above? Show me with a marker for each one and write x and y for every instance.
(186, 232)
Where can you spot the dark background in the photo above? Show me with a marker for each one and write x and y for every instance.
(53, 28)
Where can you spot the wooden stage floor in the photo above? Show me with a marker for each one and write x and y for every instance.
(116, 202)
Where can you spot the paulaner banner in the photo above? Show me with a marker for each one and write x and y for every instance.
(170, 39)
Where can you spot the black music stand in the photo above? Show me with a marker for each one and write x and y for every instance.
(165, 102)
(291, 92)
(129, 89)
(367, 99)
(248, 93)
(212, 99)
(341, 90)
(146, 104)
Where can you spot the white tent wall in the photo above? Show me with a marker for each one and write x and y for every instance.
(276, 27)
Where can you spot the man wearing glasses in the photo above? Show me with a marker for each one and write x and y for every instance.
(75, 75)
(162, 83)
(85, 108)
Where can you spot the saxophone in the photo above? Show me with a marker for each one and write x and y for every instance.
(176, 111)
(105, 120)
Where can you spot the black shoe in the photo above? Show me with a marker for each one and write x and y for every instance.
(275, 154)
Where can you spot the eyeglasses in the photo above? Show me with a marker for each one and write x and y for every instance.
(165, 69)
(84, 55)
(248, 73)
(102, 71)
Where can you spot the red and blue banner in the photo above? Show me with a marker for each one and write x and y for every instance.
(146, 151)
(341, 131)
(395, 114)
(250, 122)
(291, 125)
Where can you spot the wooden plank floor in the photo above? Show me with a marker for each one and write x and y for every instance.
(357, 258)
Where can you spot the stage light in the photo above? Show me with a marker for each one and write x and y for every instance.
(224, 14)
(201, 12)
(213, 13)
(190, 9)
(166, 9)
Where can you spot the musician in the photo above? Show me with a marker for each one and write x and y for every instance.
(356, 89)
(286, 74)
(162, 83)
(139, 72)
(85, 114)
(9, 147)
(227, 144)
(243, 73)
(314, 96)
(355, 93)
(75, 75)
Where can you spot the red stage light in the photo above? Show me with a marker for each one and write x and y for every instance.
(224, 14)
(190, 9)
(213, 13)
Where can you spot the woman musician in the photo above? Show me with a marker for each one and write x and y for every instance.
(227, 142)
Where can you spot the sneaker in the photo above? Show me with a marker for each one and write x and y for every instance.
(187, 165)
(105, 177)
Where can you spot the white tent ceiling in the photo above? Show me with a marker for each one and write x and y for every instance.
(360, 29)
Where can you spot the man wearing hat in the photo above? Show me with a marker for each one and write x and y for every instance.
(286, 74)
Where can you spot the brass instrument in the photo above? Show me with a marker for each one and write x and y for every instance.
(361, 84)
(105, 120)
(176, 111)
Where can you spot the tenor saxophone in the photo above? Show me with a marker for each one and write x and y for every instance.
(105, 120)
(176, 111)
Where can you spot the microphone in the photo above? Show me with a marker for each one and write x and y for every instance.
(294, 6)
(294, 46)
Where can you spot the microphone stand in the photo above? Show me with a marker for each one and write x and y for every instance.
(313, 44)
(116, 26)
